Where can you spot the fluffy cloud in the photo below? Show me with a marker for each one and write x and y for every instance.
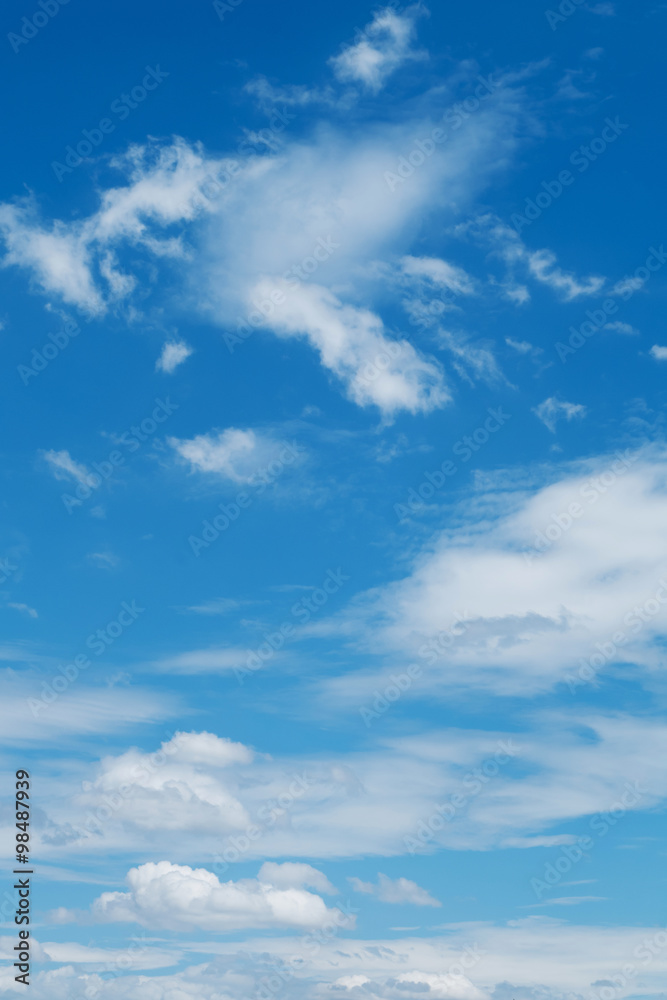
(385, 44)
(509, 790)
(400, 890)
(174, 353)
(76, 260)
(59, 258)
(352, 344)
(300, 224)
(177, 898)
(179, 788)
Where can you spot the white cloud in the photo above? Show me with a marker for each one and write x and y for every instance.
(64, 466)
(536, 958)
(310, 216)
(244, 806)
(28, 710)
(218, 606)
(179, 788)
(659, 353)
(522, 346)
(385, 45)
(619, 327)
(300, 95)
(627, 286)
(235, 454)
(165, 186)
(351, 342)
(59, 258)
(204, 661)
(174, 353)
(181, 898)
(568, 901)
(552, 410)
(294, 875)
(541, 264)
(439, 272)
(103, 560)
(137, 956)
(25, 608)
(426, 985)
(400, 890)
(568, 582)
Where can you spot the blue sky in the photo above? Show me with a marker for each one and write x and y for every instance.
(333, 565)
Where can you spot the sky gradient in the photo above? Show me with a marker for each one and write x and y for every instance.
(333, 573)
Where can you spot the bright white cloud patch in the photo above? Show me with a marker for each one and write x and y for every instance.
(178, 897)
(166, 185)
(352, 344)
(178, 788)
(659, 353)
(385, 44)
(174, 353)
(301, 223)
(580, 561)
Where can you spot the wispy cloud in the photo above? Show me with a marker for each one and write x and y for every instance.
(552, 410)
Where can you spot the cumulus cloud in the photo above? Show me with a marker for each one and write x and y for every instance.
(174, 353)
(385, 44)
(400, 890)
(552, 410)
(178, 788)
(379, 802)
(658, 352)
(179, 898)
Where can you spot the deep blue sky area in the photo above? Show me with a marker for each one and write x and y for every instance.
(333, 559)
